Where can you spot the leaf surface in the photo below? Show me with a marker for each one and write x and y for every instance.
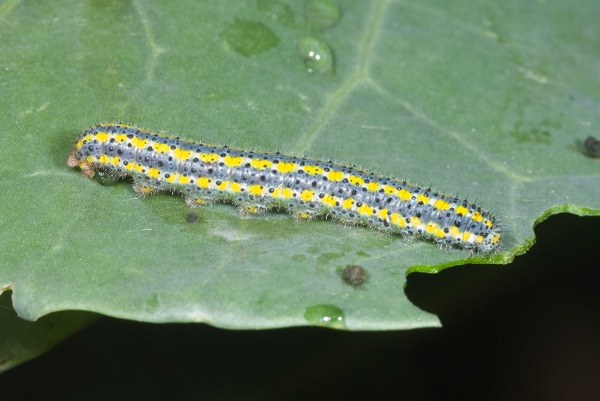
(490, 101)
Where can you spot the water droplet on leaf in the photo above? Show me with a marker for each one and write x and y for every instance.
(249, 38)
(322, 14)
(106, 178)
(317, 54)
(276, 10)
(325, 315)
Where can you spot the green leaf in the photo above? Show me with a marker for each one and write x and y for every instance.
(21, 340)
(487, 100)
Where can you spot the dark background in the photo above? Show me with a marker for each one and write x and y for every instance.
(528, 331)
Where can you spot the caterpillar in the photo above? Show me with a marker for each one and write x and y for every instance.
(258, 182)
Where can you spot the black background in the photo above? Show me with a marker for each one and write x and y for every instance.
(528, 331)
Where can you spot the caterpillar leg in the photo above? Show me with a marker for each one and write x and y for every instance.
(142, 189)
(196, 202)
(303, 215)
(246, 210)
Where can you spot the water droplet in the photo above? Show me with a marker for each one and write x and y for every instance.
(249, 38)
(276, 10)
(317, 54)
(106, 178)
(322, 14)
(325, 315)
(152, 303)
(299, 257)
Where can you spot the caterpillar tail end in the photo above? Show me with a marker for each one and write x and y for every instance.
(492, 242)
